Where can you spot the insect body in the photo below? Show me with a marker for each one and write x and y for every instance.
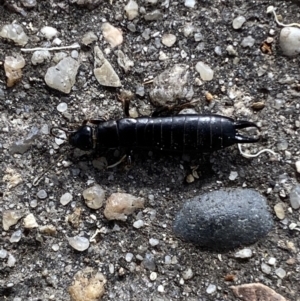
(181, 133)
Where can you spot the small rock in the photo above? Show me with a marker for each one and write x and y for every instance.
(131, 10)
(62, 76)
(187, 274)
(153, 242)
(42, 194)
(188, 29)
(238, 22)
(211, 289)
(66, 198)
(160, 288)
(279, 210)
(62, 107)
(280, 272)
(248, 42)
(88, 285)
(3, 253)
(206, 73)
(224, 219)
(124, 61)
(149, 262)
(153, 276)
(154, 15)
(11, 261)
(231, 51)
(58, 56)
(55, 247)
(112, 34)
(290, 41)
(168, 39)
(233, 175)
(128, 257)
(244, 253)
(119, 205)
(138, 224)
(94, 196)
(255, 292)
(12, 178)
(28, 3)
(13, 69)
(30, 222)
(49, 32)
(79, 243)
(172, 85)
(272, 261)
(190, 3)
(103, 70)
(48, 230)
(10, 218)
(297, 165)
(16, 236)
(88, 38)
(265, 268)
(295, 197)
(40, 56)
(15, 33)
(282, 144)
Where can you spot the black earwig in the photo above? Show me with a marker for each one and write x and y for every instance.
(181, 133)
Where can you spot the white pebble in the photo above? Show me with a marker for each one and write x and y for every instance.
(153, 242)
(206, 73)
(168, 259)
(272, 261)
(63, 137)
(248, 42)
(297, 165)
(190, 3)
(238, 22)
(265, 268)
(11, 260)
(138, 224)
(160, 288)
(244, 253)
(79, 243)
(131, 9)
(94, 196)
(62, 107)
(233, 175)
(290, 41)
(16, 236)
(280, 272)
(153, 276)
(128, 257)
(55, 247)
(3, 253)
(211, 289)
(30, 222)
(187, 274)
(66, 198)
(168, 39)
(49, 32)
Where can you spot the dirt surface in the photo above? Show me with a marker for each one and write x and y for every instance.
(45, 265)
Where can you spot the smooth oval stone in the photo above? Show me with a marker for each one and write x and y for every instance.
(224, 219)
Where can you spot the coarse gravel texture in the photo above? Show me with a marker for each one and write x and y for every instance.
(45, 265)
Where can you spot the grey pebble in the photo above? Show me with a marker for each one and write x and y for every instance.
(149, 262)
(295, 197)
(42, 194)
(224, 219)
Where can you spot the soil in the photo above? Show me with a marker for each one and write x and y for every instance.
(42, 273)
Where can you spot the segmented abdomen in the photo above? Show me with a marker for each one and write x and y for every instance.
(182, 133)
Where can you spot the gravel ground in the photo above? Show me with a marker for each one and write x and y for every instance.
(45, 265)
